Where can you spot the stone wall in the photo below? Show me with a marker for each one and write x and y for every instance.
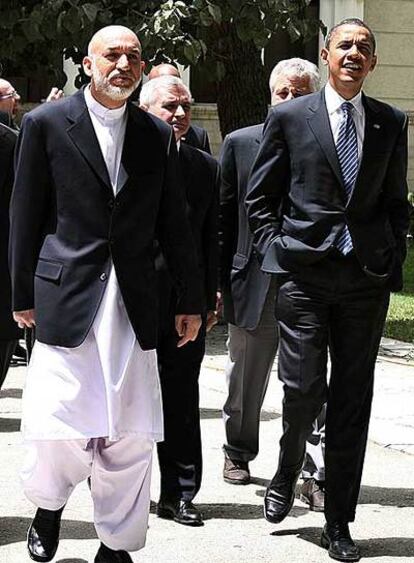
(393, 79)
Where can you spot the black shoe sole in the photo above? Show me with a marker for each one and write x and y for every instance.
(311, 507)
(235, 481)
(326, 544)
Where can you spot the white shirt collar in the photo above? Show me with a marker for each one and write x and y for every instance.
(103, 113)
(334, 100)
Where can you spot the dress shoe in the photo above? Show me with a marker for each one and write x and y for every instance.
(181, 511)
(337, 540)
(312, 493)
(107, 555)
(280, 496)
(236, 472)
(43, 534)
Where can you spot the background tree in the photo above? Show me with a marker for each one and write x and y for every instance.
(223, 37)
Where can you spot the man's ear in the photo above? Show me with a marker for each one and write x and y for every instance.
(87, 66)
(324, 55)
(374, 63)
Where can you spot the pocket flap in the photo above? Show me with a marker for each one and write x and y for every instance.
(239, 261)
(49, 270)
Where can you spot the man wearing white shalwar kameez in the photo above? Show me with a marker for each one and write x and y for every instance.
(94, 410)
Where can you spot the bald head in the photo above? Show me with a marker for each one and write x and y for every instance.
(9, 98)
(110, 34)
(164, 69)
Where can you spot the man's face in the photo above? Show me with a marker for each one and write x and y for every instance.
(350, 58)
(290, 86)
(9, 98)
(173, 105)
(115, 65)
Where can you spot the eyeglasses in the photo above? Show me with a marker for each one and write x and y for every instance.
(13, 94)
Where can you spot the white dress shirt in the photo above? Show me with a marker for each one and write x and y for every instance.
(108, 386)
(333, 102)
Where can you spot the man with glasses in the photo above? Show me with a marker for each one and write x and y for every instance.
(9, 104)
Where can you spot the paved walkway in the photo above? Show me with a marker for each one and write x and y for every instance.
(235, 531)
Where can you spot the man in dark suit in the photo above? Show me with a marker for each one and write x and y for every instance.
(9, 332)
(180, 455)
(248, 296)
(195, 136)
(327, 203)
(96, 178)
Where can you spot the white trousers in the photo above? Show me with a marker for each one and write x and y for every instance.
(120, 483)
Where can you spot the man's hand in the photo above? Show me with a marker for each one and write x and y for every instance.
(25, 318)
(55, 94)
(211, 320)
(187, 327)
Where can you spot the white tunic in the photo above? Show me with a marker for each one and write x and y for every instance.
(108, 386)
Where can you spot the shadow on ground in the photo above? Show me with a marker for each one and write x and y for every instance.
(387, 496)
(374, 547)
(9, 424)
(14, 529)
(265, 416)
(11, 394)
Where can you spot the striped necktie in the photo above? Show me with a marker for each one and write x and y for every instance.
(347, 150)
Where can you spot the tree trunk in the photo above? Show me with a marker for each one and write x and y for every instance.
(242, 95)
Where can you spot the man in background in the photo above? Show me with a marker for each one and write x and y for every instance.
(180, 454)
(9, 332)
(248, 296)
(196, 136)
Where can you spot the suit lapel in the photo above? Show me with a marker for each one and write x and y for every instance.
(83, 135)
(321, 128)
(142, 145)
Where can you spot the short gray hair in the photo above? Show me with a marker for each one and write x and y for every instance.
(148, 90)
(297, 67)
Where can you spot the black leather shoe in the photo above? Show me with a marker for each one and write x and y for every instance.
(280, 496)
(337, 540)
(108, 555)
(43, 534)
(181, 511)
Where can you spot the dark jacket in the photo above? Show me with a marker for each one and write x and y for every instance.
(244, 286)
(8, 138)
(198, 137)
(200, 177)
(297, 168)
(67, 226)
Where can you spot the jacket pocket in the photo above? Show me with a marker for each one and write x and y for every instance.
(48, 270)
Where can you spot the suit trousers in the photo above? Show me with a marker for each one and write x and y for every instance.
(7, 348)
(180, 454)
(250, 361)
(330, 304)
(120, 482)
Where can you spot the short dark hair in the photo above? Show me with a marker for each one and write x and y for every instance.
(350, 21)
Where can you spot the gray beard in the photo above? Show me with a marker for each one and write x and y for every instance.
(117, 93)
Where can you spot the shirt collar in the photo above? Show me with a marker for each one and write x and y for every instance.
(105, 114)
(334, 100)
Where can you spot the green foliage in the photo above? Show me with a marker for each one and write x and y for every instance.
(400, 319)
(36, 32)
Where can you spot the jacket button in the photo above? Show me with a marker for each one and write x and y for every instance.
(103, 277)
(111, 203)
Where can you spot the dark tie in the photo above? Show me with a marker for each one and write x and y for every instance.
(347, 150)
